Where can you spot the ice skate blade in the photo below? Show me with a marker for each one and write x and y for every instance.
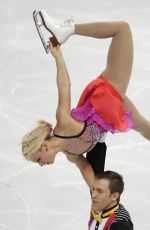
(38, 27)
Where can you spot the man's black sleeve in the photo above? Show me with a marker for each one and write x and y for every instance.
(121, 225)
(96, 157)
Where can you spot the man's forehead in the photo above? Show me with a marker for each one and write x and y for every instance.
(101, 183)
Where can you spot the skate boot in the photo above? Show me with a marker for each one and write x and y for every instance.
(60, 30)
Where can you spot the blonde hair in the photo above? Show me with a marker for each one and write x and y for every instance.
(31, 142)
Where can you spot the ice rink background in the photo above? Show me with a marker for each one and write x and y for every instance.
(56, 197)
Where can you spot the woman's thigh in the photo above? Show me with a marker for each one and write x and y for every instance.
(120, 59)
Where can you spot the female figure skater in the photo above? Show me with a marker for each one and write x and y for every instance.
(103, 106)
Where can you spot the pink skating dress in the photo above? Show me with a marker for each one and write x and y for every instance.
(101, 108)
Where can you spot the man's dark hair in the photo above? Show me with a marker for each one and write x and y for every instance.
(116, 183)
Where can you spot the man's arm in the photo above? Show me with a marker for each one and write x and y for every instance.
(96, 157)
(93, 163)
(84, 167)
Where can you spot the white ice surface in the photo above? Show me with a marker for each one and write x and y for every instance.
(56, 197)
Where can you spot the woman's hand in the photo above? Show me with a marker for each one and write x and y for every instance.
(55, 50)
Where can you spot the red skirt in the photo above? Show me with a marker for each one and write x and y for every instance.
(105, 104)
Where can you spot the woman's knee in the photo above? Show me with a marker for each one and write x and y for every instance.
(124, 25)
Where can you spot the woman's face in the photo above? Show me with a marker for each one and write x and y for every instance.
(45, 155)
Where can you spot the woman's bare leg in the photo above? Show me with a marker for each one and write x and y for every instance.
(141, 125)
(119, 62)
(120, 54)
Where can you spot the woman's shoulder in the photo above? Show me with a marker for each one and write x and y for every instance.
(70, 127)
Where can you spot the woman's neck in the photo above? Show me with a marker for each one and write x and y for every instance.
(58, 143)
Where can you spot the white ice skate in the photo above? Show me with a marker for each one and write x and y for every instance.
(60, 30)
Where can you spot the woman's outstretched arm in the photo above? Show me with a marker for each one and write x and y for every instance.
(63, 84)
